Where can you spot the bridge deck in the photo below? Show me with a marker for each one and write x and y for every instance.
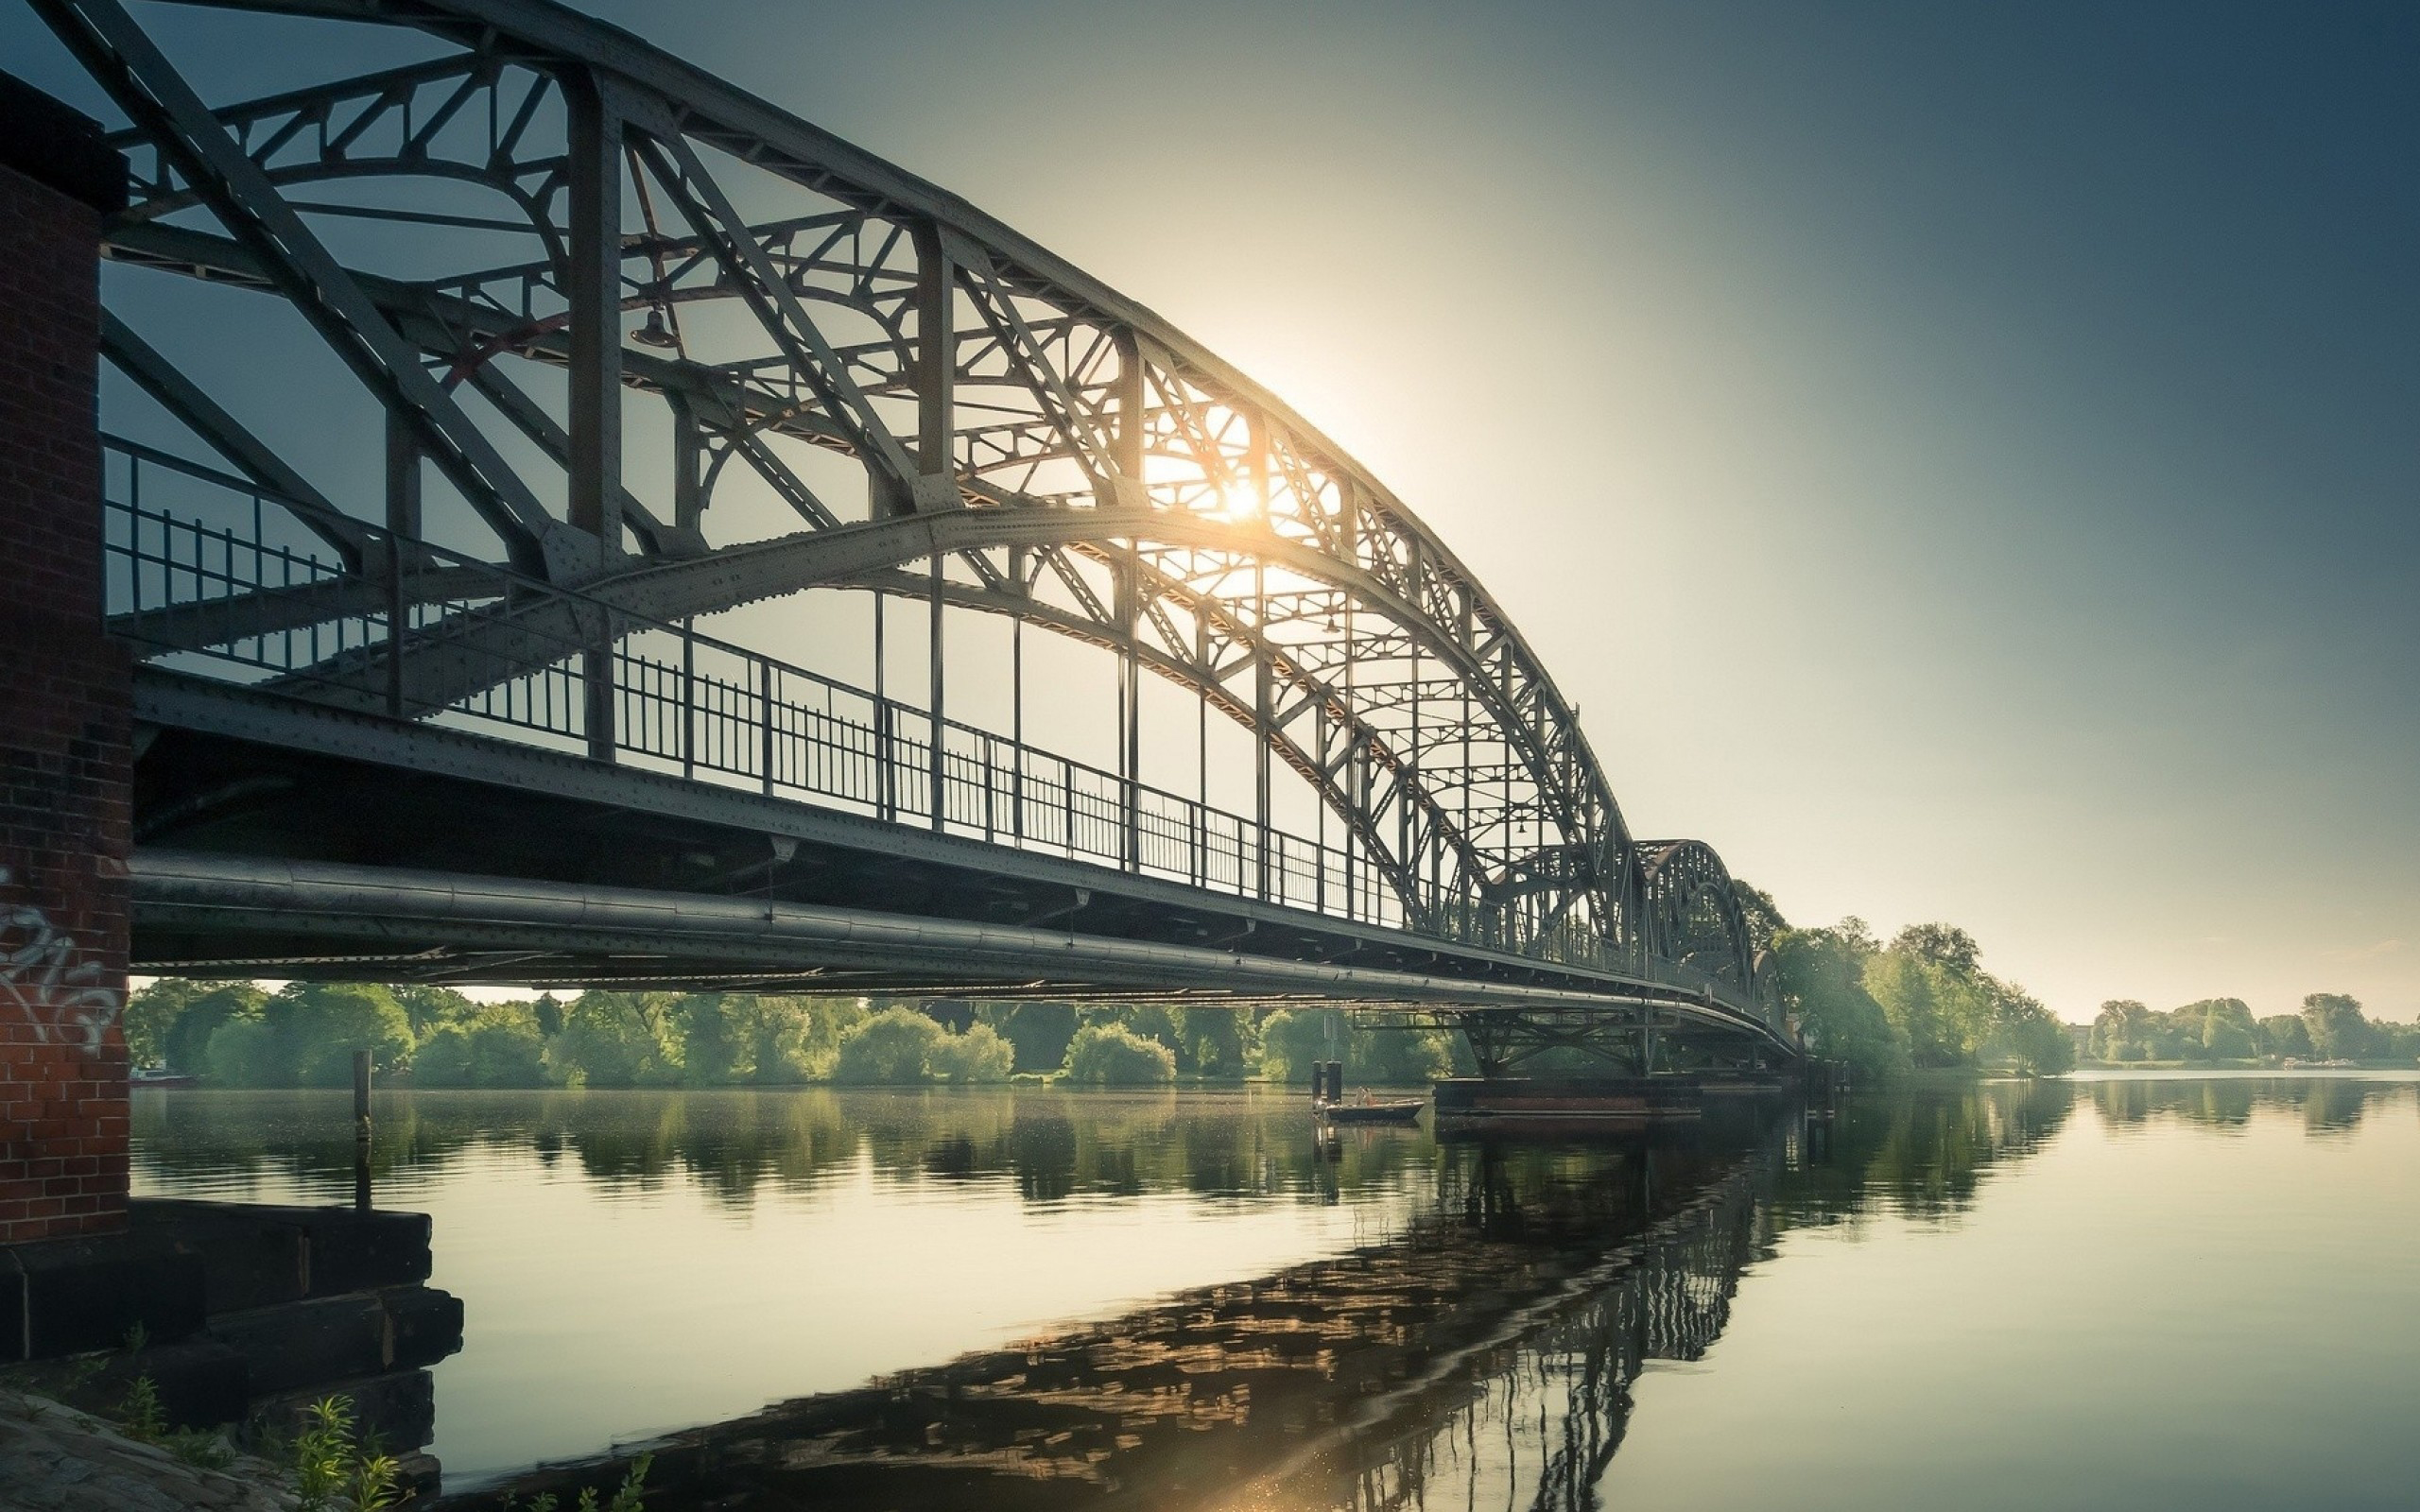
(283, 837)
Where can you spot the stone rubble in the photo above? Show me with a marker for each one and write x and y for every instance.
(56, 1459)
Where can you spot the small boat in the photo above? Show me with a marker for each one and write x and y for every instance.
(1402, 1110)
(153, 1076)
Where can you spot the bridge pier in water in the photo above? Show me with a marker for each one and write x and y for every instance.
(298, 1294)
(66, 798)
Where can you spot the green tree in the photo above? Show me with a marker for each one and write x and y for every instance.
(1820, 974)
(2285, 1035)
(2027, 1035)
(1214, 1042)
(1943, 945)
(496, 1044)
(151, 1012)
(184, 1038)
(246, 1052)
(2121, 1025)
(893, 1048)
(784, 1041)
(1038, 1032)
(1765, 923)
(328, 1021)
(425, 1007)
(1293, 1039)
(710, 1051)
(2228, 1032)
(1908, 988)
(1111, 1055)
(1398, 1057)
(616, 1039)
(2338, 1031)
(977, 1055)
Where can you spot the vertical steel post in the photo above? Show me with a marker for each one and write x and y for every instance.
(765, 713)
(933, 365)
(885, 806)
(939, 758)
(1261, 674)
(688, 696)
(361, 1131)
(1017, 712)
(688, 466)
(403, 524)
(1202, 751)
(1129, 746)
(593, 290)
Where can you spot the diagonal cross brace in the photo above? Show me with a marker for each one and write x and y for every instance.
(711, 214)
(125, 62)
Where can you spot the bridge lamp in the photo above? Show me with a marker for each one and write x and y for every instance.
(655, 332)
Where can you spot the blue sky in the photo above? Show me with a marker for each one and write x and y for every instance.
(1964, 461)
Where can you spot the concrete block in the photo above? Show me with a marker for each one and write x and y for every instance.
(61, 1296)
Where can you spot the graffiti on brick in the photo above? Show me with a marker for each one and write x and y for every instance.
(43, 976)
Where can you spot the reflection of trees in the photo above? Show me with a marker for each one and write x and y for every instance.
(1483, 1356)
(1045, 1145)
(2327, 1104)
(1919, 1153)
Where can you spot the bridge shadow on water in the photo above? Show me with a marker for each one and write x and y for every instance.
(1484, 1356)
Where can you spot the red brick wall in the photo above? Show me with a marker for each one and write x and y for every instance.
(65, 763)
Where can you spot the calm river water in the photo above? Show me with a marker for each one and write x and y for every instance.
(2150, 1292)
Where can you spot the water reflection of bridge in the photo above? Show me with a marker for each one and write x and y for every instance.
(1524, 1302)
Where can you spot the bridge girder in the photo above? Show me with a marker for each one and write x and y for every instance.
(1014, 418)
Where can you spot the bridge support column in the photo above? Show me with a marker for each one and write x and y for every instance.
(66, 794)
(593, 289)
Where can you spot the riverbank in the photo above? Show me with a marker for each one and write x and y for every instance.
(54, 1458)
(2283, 1068)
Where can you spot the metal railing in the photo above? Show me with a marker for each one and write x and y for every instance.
(210, 575)
(205, 577)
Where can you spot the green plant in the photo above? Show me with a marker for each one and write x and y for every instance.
(199, 1448)
(331, 1472)
(627, 1497)
(141, 1412)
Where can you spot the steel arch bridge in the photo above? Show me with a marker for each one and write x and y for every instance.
(577, 299)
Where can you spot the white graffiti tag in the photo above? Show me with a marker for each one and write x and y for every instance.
(64, 999)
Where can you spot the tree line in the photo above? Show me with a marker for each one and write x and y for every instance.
(1921, 1002)
(1924, 1000)
(2331, 1027)
(236, 1034)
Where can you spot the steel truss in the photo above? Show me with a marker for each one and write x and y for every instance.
(1032, 444)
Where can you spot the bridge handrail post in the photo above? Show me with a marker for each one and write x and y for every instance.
(396, 610)
(765, 718)
(1067, 795)
(990, 750)
(885, 803)
(688, 702)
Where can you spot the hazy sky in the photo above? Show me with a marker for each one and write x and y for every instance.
(1964, 460)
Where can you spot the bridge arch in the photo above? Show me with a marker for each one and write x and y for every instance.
(1032, 443)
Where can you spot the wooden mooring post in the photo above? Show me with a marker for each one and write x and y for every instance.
(361, 1131)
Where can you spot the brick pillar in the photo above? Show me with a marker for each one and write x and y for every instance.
(66, 695)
